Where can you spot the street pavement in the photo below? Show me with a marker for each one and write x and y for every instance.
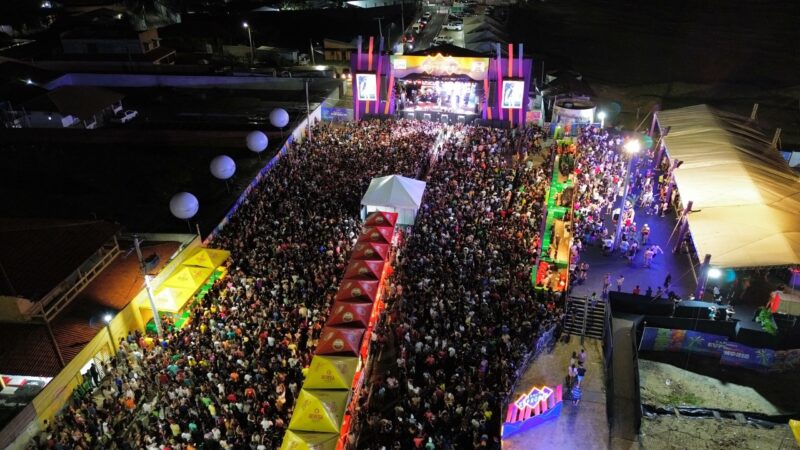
(578, 427)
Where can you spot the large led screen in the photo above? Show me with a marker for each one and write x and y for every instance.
(513, 94)
(366, 86)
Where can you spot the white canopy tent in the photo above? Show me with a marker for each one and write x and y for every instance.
(394, 193)
(745, 198)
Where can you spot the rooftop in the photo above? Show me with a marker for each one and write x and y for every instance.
(36, 254)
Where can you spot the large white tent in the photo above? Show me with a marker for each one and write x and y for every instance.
(394, 193)
(745, 198)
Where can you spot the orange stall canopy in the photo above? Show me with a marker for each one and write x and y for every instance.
(370, 251)
(381, 219)
(357, 291)
(379, 235)
(346, 314)
(364, 270)
(340, 341)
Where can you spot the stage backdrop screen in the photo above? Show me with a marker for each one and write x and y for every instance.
(366, 86)
(513, 94)
(440, 66)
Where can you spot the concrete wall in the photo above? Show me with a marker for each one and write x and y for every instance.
(41, 119)
(180, 81)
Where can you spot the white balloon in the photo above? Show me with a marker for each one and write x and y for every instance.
(257, 141)
(279, 117)
(184, 205)
(223, 167)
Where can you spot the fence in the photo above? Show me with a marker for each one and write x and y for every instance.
(545, 341)
(608, 363)
(637, 395)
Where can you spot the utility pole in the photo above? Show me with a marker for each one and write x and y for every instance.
(403, 16)
(380, 28)
(313, 63)
(156, 318)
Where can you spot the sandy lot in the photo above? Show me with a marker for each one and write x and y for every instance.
(672, 433)
(667, 385)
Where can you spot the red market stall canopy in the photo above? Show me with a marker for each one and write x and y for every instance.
(745, 198)
(331, 372)
(381, 219)
(304, 440)
(320, 411)
(357, 291)
(379, 235)
(345, 314)
(339, 341)
(364, 270)
(370, 251)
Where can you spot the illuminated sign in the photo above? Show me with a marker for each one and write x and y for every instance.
(513, 94)
(440, 66)
(538, 405)
(367, 86)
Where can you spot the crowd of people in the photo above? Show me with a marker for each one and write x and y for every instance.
(229, 379)
(461, 311)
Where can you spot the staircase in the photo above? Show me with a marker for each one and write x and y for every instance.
(580, 310)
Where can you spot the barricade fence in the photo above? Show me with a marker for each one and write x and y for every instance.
(544, 341)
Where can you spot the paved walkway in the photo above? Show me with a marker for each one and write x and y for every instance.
(578, 427)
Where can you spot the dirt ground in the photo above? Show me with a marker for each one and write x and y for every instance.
(673, 433)
(666, 385)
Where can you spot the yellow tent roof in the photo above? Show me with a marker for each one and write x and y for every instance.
(319, 410)
(331, 372)
(795, 426)
(206, 257)
(188, 277)
(167, 299)
(303, 440)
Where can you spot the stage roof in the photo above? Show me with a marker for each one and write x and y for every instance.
(746, 200)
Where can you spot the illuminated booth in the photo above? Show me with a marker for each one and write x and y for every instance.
(444, 83)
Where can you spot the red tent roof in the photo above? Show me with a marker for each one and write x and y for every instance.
(357, 290)
(380, 235)
(345, 314)
(381, 219)
(370, 251)
(364, 270)
(340, 341)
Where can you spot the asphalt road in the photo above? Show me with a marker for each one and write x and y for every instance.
(425, 39)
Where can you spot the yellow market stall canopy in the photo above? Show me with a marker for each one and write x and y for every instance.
(207, 257)
(167, 299)
(302, 440)
(188, 277)
(319, 411)
(331, 372)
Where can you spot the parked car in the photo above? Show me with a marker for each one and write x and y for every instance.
(125, 117)
(439, 40)
(454, 26)
(427, 15)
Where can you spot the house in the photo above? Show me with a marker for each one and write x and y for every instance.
(71, 106)
(120, 43)
(338, 50)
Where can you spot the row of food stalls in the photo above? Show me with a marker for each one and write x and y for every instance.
(327, 400)
(552, 270)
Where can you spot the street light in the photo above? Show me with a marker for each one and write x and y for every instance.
(156, 318)
(107, 319)
(632, 148)
(602, 116)
(250, 37)
(714, 273)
